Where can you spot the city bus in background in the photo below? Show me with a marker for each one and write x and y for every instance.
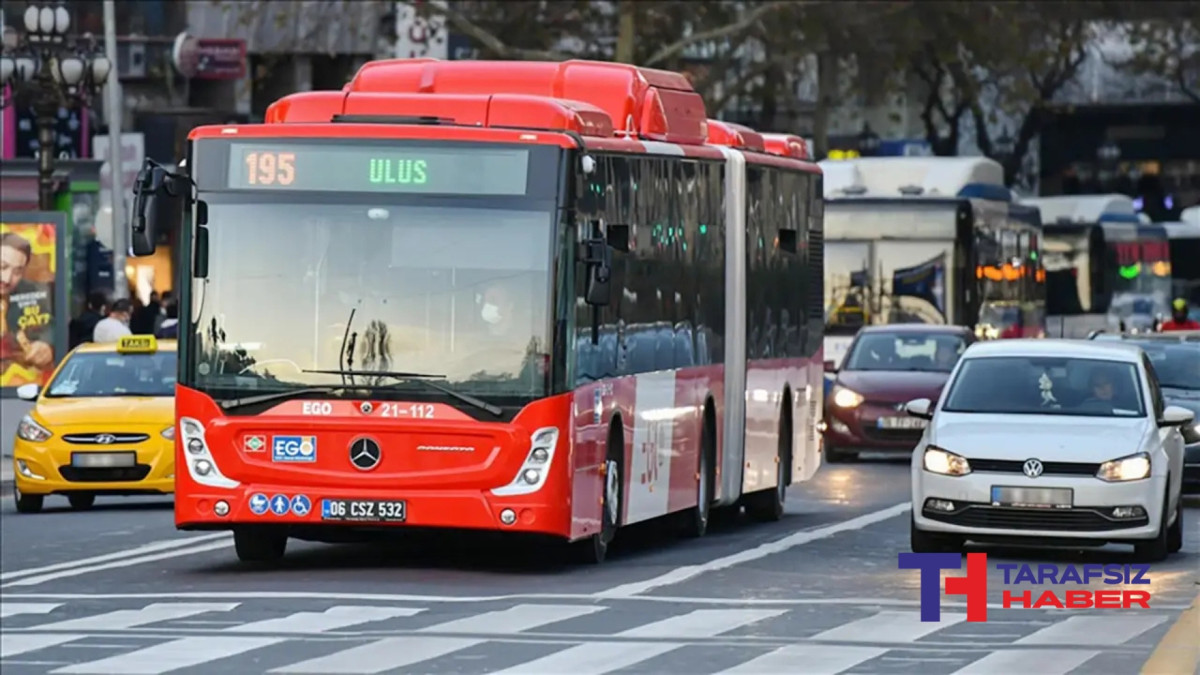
(540, 298)
(1184, 240)
(1105, 269)
(934, 240)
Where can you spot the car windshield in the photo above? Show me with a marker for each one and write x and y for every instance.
(1176, 364)
(907, 350)
(1027, 385)
(455, 291)
(88, 374)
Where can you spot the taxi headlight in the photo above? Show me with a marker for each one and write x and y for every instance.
(846, 398)
(944, 462)
(31, 431)
(169, 433)
(1133, 467)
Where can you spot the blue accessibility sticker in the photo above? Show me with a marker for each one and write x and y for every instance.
(280, 505)
(301, 506)
(293, 448)
(259, 503)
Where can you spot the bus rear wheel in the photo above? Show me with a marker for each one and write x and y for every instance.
(697, 519)
(259, 545)
(767, 505)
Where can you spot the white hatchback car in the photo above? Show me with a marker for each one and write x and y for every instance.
(1050, 442)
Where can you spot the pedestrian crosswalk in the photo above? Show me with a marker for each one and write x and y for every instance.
(131, 637)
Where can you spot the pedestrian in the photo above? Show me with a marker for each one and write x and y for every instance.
(1179, 318)
(143, 319)
(169, 329)
(82, 327)
(116, 325)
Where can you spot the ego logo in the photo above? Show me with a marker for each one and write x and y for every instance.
(293, 448)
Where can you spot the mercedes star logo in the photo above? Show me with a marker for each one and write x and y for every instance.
(364, 454)
(106, 439)
(366, 407)
(1032, 468)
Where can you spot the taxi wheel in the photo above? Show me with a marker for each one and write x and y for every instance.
(81, 502)
(27, 503)
(254, 545)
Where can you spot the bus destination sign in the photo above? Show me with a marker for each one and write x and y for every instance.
(377, 168)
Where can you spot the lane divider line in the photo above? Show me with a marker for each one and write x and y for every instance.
(681, 574)
(118, 564)
(1179, 650)
(130, 553)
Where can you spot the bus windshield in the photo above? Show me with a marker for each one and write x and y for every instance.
(456, 291)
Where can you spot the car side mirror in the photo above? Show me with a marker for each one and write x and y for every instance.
(1173, 416)
(28, 392)
(921, 407)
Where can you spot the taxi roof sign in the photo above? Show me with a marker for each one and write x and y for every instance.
(137, 344)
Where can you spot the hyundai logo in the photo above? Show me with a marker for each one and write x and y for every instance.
(106, 439)
(364, 454)
(1032, 468)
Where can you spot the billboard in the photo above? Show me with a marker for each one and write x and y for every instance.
(32, 297)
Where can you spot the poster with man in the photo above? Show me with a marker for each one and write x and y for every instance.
(30, 298)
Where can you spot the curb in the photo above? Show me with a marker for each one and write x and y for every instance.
(1179, 651)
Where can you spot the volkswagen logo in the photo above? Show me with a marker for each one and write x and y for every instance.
(1032, 468)
(366, 407)
(105, 439)
(364, 454)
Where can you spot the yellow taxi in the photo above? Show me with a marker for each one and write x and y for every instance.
(104, 425)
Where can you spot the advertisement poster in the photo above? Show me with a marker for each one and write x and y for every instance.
(31, 298)
(920, 289)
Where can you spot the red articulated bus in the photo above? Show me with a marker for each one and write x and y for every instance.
(547, 298)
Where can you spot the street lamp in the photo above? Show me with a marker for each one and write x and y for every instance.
(49, 70)
(868, 141)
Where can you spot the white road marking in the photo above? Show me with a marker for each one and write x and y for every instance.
(895, 626)
(122, 619)
(393, 653)
(809, 659)
(8, 609)
(1110, 629)
(12, 644)
(681, 574)
(195, 651)
(152, 547)
(118, 564)
(569, 597)
(1040, 661)
(598, 658)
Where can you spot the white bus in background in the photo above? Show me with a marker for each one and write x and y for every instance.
(1105, 268)
(1184, 238)
(928, 240)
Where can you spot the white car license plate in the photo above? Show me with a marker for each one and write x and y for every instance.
(1033, 498)
(364, 510)
(902, 423)
(103, 460)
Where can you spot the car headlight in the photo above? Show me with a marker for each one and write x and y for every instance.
(169, 433)
(1133, 467)
(944, 462)
(846, 398)
(28, 430)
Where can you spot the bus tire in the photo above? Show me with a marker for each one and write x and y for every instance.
(594, 549)
(697, 518)
(259, 545)
(767, 505)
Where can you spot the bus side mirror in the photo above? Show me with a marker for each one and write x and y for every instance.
(598, 257)
(158, 200)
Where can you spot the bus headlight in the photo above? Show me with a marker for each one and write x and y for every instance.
(201, 465)
(536, 468)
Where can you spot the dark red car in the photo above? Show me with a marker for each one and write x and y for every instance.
(884, 368)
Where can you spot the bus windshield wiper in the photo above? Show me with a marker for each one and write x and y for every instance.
(277, 396)
(425, 379)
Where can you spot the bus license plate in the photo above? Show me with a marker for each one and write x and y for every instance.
(103, 460)
(364, 510)
(1033, 498)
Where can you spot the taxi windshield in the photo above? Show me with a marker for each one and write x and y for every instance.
(93, 374)
(1023, 385)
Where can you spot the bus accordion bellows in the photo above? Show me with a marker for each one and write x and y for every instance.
(929, 240)
(1105, 269)
(541, 298)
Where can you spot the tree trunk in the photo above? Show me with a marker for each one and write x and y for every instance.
(827, 86)
(626, 31)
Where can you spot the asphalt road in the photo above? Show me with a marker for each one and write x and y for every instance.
(118, 590)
